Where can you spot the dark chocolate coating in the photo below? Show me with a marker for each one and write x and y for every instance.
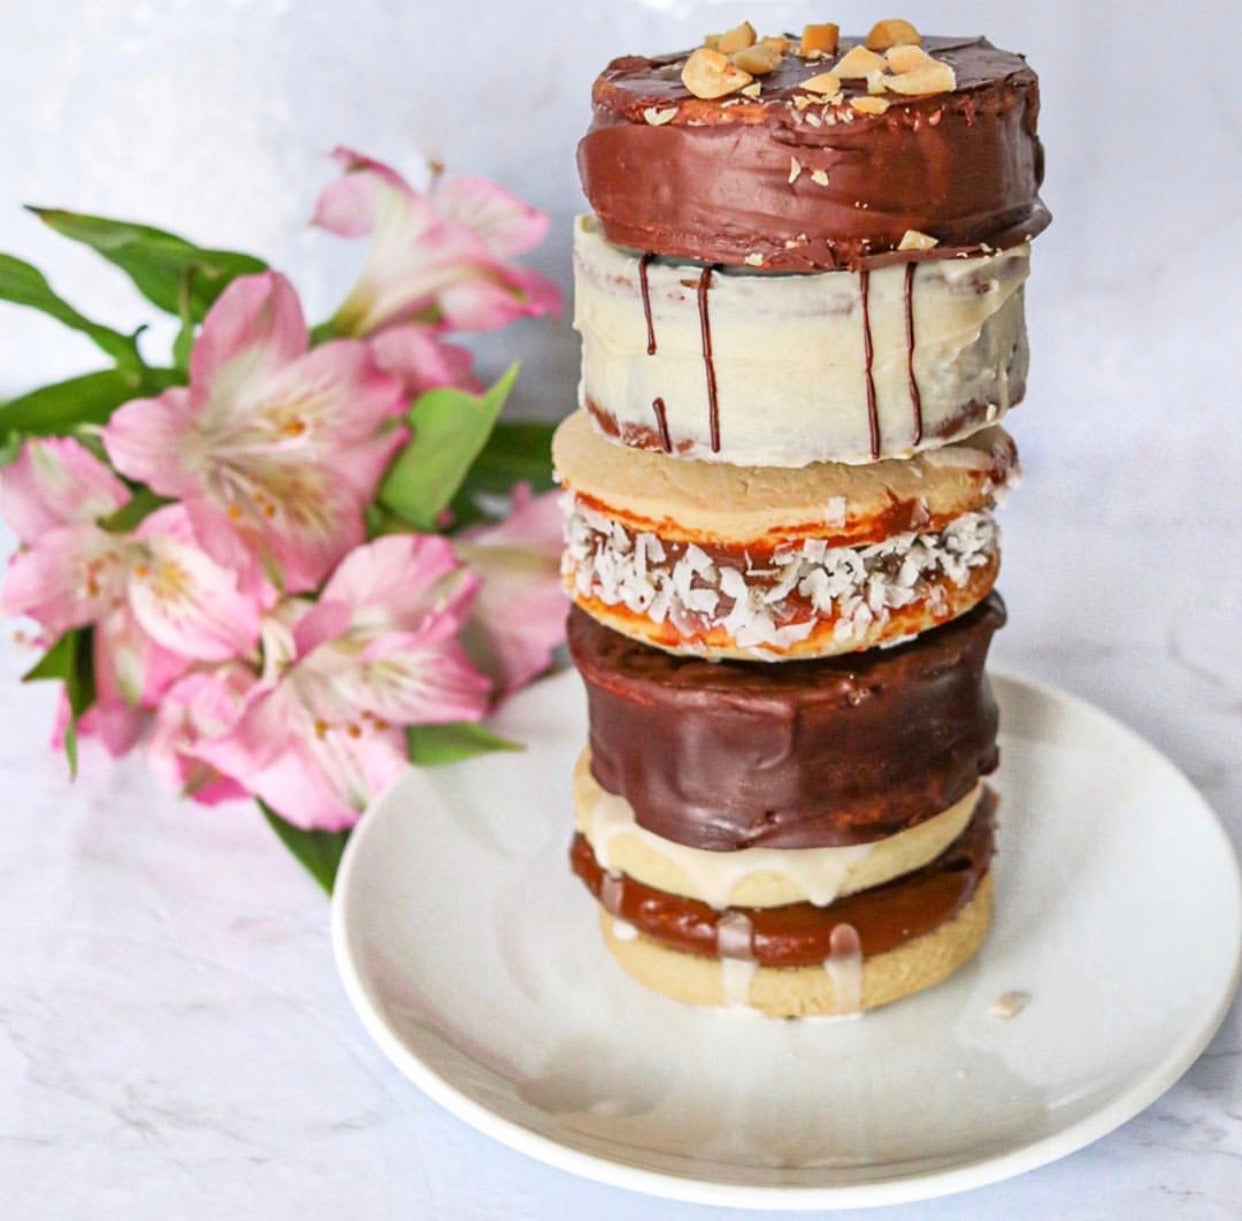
(801, 754)
(713, 184)
(800, 934)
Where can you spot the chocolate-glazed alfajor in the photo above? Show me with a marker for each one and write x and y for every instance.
(801, 304)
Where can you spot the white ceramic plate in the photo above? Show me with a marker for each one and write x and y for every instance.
(473, 957)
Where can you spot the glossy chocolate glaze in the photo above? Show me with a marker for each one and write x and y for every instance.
(713, 183)
(800, 934)
(839, 750)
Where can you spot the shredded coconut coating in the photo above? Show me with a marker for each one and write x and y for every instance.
(772, 603)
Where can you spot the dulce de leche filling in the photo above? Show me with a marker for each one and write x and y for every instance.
(800, 934)
(839, 750)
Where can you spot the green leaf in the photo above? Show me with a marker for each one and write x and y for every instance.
(155, 260)
(183, 344)
(318, 852)
(436, 745)
(23, 284)
(449, 429)
(139, 506)
(90, 399)
(518, 451)
(71, 661)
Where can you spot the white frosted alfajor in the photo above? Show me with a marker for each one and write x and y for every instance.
(788, 354)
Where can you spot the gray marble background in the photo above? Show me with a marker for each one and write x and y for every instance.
(173, 1041)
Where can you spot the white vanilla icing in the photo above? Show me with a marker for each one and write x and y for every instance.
(735, 949)
(788, 354)
(844, 967)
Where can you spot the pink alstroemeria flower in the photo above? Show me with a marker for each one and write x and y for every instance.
(519, 614)
(443, 257)
(275, 449)
(155, 600)
(376, 652)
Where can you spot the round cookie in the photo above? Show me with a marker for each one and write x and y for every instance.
(808, 754)
(783, 992)
(753, 877)
(796, 180)
(837, 366)
(769, 563)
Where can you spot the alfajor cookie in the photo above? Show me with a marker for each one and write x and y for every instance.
(773, 564)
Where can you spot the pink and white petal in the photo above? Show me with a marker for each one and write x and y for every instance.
(130, 667)
(146, 440)
(399, 580)
(184, 600)
(519, 615)
(506, 224)
(535, 523)
(498, 297)
(421, 360)
(255, 328)
(57, 481)
(71, 577)
(412, 678)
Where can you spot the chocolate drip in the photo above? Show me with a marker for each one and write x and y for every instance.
(873, 415)
(666, 442)
(705, 330)
(645, 288)
(916, 399)
(804, 754)
(867, 923)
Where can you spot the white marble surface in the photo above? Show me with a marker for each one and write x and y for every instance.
(173, 1040)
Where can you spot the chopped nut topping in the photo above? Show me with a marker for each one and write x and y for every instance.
(758, 60)
(779, 41)
(935, 76)
(657, 118)
(822, 39)
(753, 90)
(812, 118)
(912, 239)
(709, 74)
(867, 105)
(754, 259)
(795, 168)
(906, 57)
(803, 100)
(826, 83)
(892, 32)
(858, 62)
(736, 39)
(877, 82)
(819, 178)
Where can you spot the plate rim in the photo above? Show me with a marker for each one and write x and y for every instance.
(923, 1185)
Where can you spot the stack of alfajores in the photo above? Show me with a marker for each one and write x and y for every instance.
(800, 300)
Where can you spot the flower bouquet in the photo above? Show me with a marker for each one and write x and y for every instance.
(291, 560)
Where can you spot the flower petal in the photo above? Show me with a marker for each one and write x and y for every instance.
(183, 599)
(421, 360)
(506, 224)
(69, 578)
(146, 440)
(347, 206)
(56, 482)
(255, 328)
(519, 615)
(498, 297)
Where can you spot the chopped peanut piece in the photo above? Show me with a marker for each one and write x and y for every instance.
(709, 74)
(825, 83)
(758, 60)
(736, 39)
(869, 105)
(906, 58)
(819, 178)
(795, 168)
(933, 77)
(657, 118)
(823, 38)
(892, 32)
(877, 82)
(857, 62)
(752, 91)
(912, 239)
(779, 41)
